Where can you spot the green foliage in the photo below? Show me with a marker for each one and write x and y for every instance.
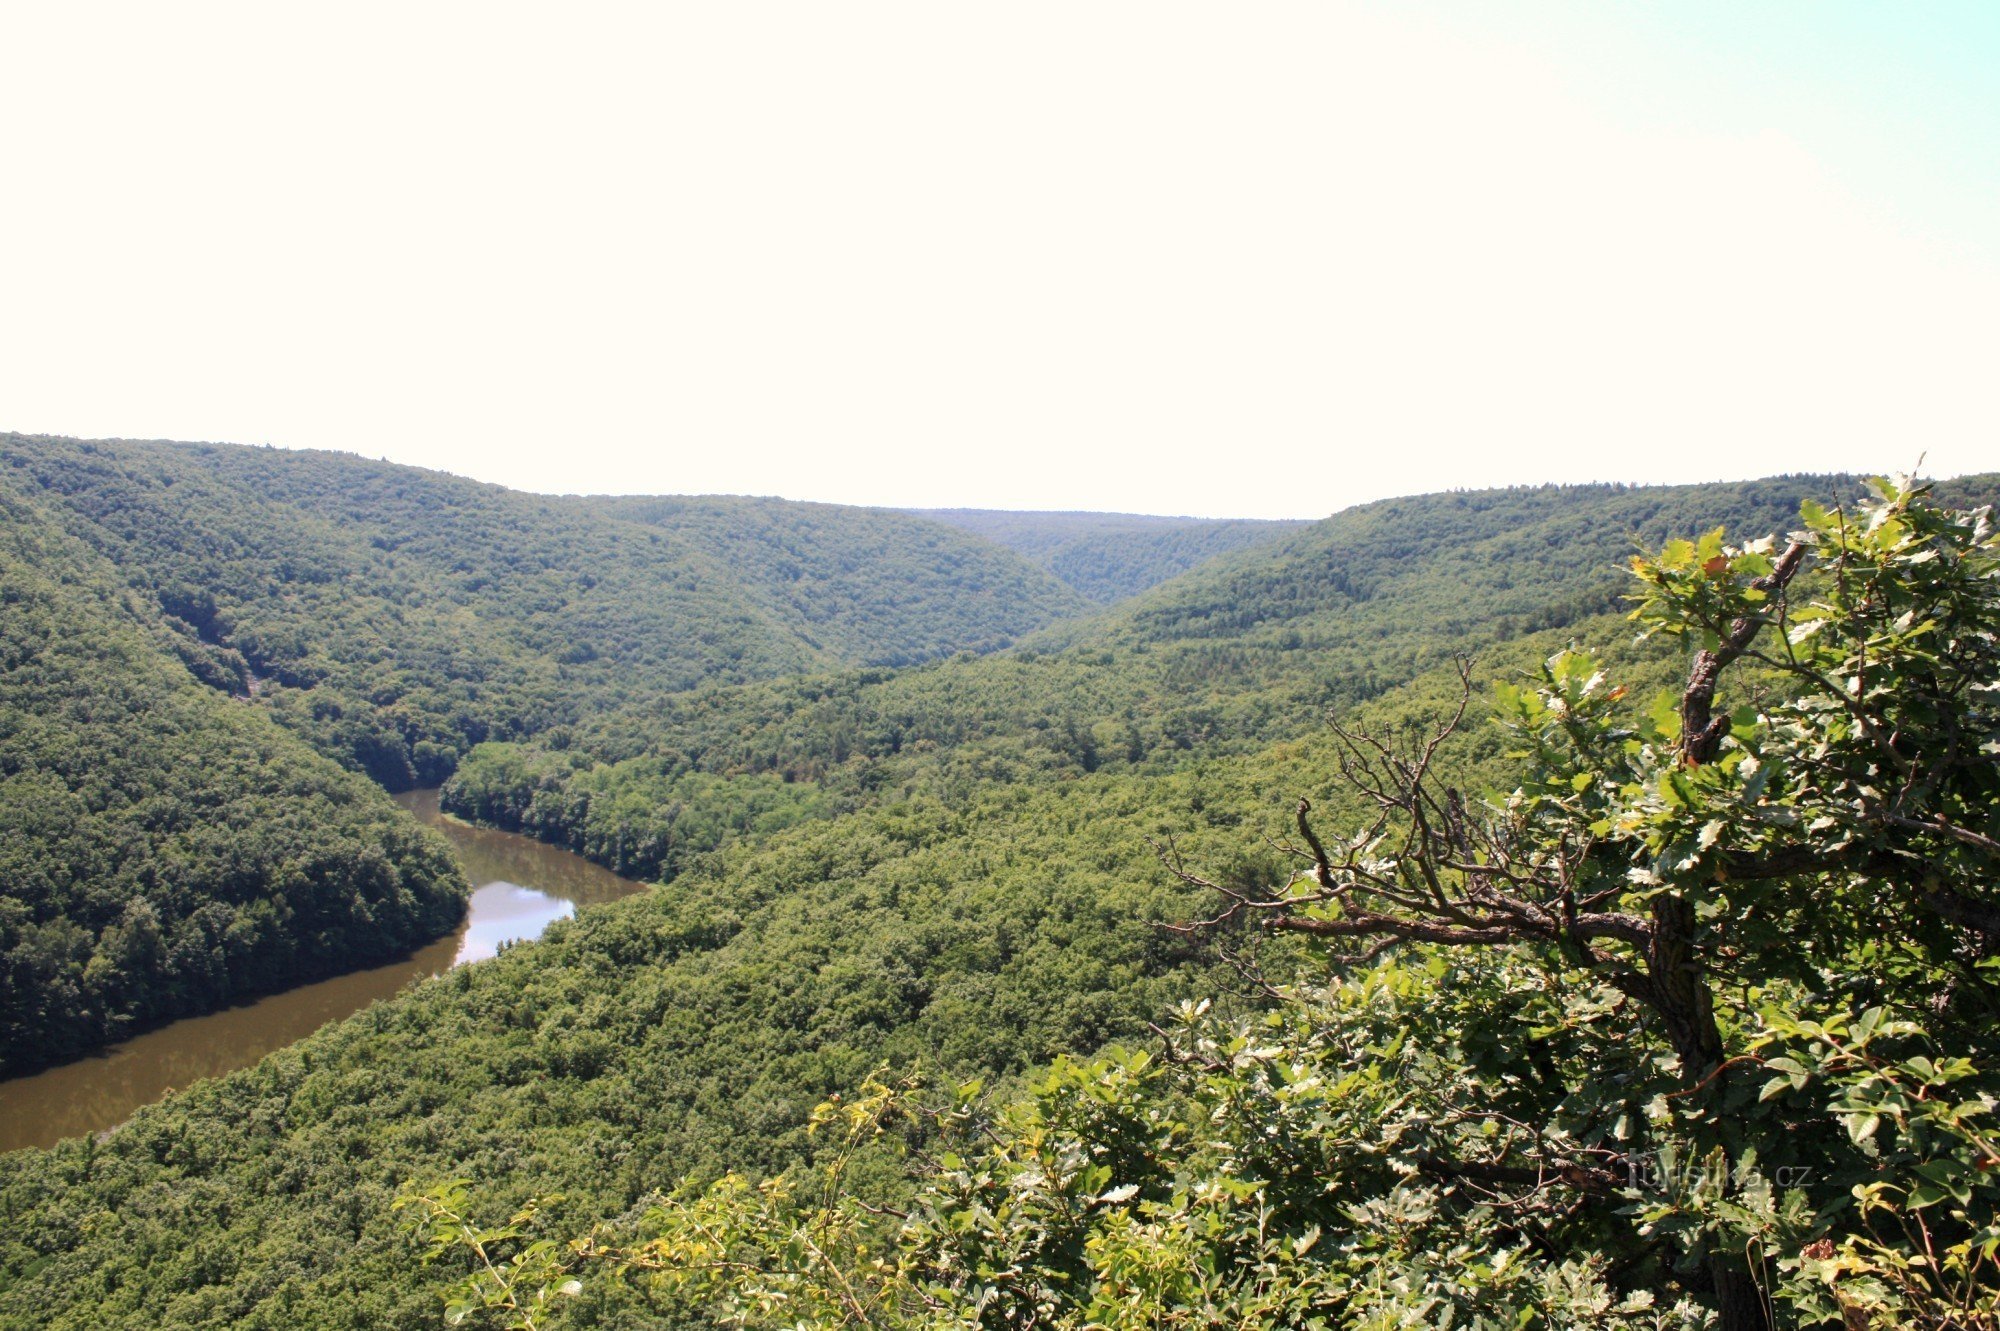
(165, 850)
(1248, 652)
(632, 817)
(690, 1029)
(1883, 745)
(862, 585)
(397, 617)
(1918, 1239)
(1698, 1023)
(1108, 557)
(953, 864)
(512, 1274)
(1253, 1177)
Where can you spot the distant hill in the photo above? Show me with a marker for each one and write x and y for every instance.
(397, 616)
(1449, 570)
(166, 849)
(1252, 648)
(1440, 566)
(1107, 557)
(868, 586)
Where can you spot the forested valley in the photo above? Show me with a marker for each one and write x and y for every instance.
(1540, 988)
(165, 848)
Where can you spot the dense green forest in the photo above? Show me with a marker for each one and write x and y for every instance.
(396, 616)
(1107, 557)
(164, 848)
(393, 618)
(964, 869)
(1693, 1027)
(981, 930)
(1247, 651)
(859, 585)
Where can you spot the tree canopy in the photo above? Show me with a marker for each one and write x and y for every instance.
(1694, 1026)
(396, 616)
(165, 849)
(888, 883)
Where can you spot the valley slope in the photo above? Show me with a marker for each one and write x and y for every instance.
(165, 848)
(186, 624)
(1250, 649)
(1107, 557)
(397, 616)
(952, 864)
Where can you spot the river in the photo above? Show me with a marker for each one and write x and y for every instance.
(519, 887)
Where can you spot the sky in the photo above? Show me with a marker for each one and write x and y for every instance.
(1227, 260)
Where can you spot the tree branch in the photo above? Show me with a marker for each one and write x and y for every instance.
(1701, 730)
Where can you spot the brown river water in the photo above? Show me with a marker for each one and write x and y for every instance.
(519, 887)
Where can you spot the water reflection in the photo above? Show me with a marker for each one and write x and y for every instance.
(519, 887)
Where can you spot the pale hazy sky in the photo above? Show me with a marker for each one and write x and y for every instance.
(1256, 259)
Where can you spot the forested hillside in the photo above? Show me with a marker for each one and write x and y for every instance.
(1689, 1023)
(170, 849)
(164, 848)
(957, 866)
(1107, 557)
(976, 926)
(397, 616)
(1437, 567)
(1251, 650)
(861, 585)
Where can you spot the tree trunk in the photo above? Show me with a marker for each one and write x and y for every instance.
(1681, 997)
(1680, 989)
(1740, 1304)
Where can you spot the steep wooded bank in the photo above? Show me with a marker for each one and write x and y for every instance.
(166, 849)
(862, 586)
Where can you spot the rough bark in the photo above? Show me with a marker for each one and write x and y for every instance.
(1702, 731)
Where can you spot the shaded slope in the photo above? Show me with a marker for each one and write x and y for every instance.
(1493, 562)
(1107, 557)
(164, 849)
